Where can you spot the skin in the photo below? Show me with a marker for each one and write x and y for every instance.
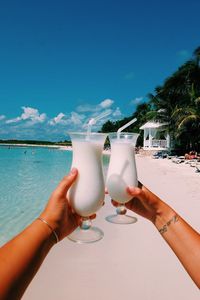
(21, 258)
(180, 236)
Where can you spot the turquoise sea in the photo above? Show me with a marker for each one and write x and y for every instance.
(28, 175)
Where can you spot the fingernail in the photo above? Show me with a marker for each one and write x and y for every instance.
(73, 171)
(130, 189)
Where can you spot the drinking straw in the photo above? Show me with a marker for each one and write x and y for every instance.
(93, 121)
(125, 126)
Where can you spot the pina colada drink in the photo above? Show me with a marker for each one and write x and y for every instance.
(87, 193)
(122, 171)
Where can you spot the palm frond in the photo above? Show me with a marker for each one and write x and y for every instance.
(197, 100)
(188, 119)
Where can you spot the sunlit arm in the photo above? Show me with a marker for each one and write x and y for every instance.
(183, 240)
(180, 236)
(21, 258)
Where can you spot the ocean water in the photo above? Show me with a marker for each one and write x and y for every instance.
(27, 178)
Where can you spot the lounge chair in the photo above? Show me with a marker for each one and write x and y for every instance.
(178, 160)
(197, 168)
(191, 161)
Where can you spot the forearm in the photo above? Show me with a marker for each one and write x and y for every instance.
(183, 240)
(21, 258)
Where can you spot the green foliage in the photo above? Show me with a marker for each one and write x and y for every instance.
(176, 102)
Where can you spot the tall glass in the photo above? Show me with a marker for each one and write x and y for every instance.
(86, 195)
(122, 173)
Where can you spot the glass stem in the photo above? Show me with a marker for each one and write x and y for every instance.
(121, 209)
(85, 223)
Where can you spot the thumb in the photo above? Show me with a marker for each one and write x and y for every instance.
(66, 182)
(136, 192)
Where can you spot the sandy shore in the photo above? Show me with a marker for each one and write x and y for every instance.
(132, 261)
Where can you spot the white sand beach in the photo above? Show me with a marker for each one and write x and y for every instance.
(131, 261)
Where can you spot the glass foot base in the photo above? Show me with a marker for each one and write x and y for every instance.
(121, 219)
(85, 236)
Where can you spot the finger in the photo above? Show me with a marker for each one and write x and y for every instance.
(140, 199)
(132, 204)
(92, 217)
(143, 194)
(140, 185)
(114, 203)
(77, 218)
(136, 192)
(66, 182)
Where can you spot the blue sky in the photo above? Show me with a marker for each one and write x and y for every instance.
(63, 62)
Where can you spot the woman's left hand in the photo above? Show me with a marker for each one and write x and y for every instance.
(58, 212)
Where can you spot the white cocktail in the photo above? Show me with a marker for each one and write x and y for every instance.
(122, 173)
(86, 195)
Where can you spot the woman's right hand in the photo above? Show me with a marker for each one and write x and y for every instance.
(145, 203)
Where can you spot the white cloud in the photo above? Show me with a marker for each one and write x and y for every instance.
(32, 114)
(86, 108)
(76, 118)
(33, 124)
(15, 120)
(29, 114)
(106, 103)
(117, 113)
(95, 108)
(2, 117)
(59, 119)
(72, 119)
(136, 100)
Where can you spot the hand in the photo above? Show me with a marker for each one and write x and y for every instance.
(145, 203)
(58, 212)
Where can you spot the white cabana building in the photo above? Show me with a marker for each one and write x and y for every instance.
(156, 136)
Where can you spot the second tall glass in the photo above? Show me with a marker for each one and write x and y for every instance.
(122, 173)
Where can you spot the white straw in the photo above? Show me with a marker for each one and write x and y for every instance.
(125, 126)
(101, 116)
(93, 121)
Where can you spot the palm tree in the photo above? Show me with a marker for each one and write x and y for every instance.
(176, 102)
(196, 55)
(188, 124)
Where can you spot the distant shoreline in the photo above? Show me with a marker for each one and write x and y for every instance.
(34, 142)
(30, 145)
(59, 147)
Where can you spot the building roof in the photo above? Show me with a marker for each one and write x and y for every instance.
(152, 124)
